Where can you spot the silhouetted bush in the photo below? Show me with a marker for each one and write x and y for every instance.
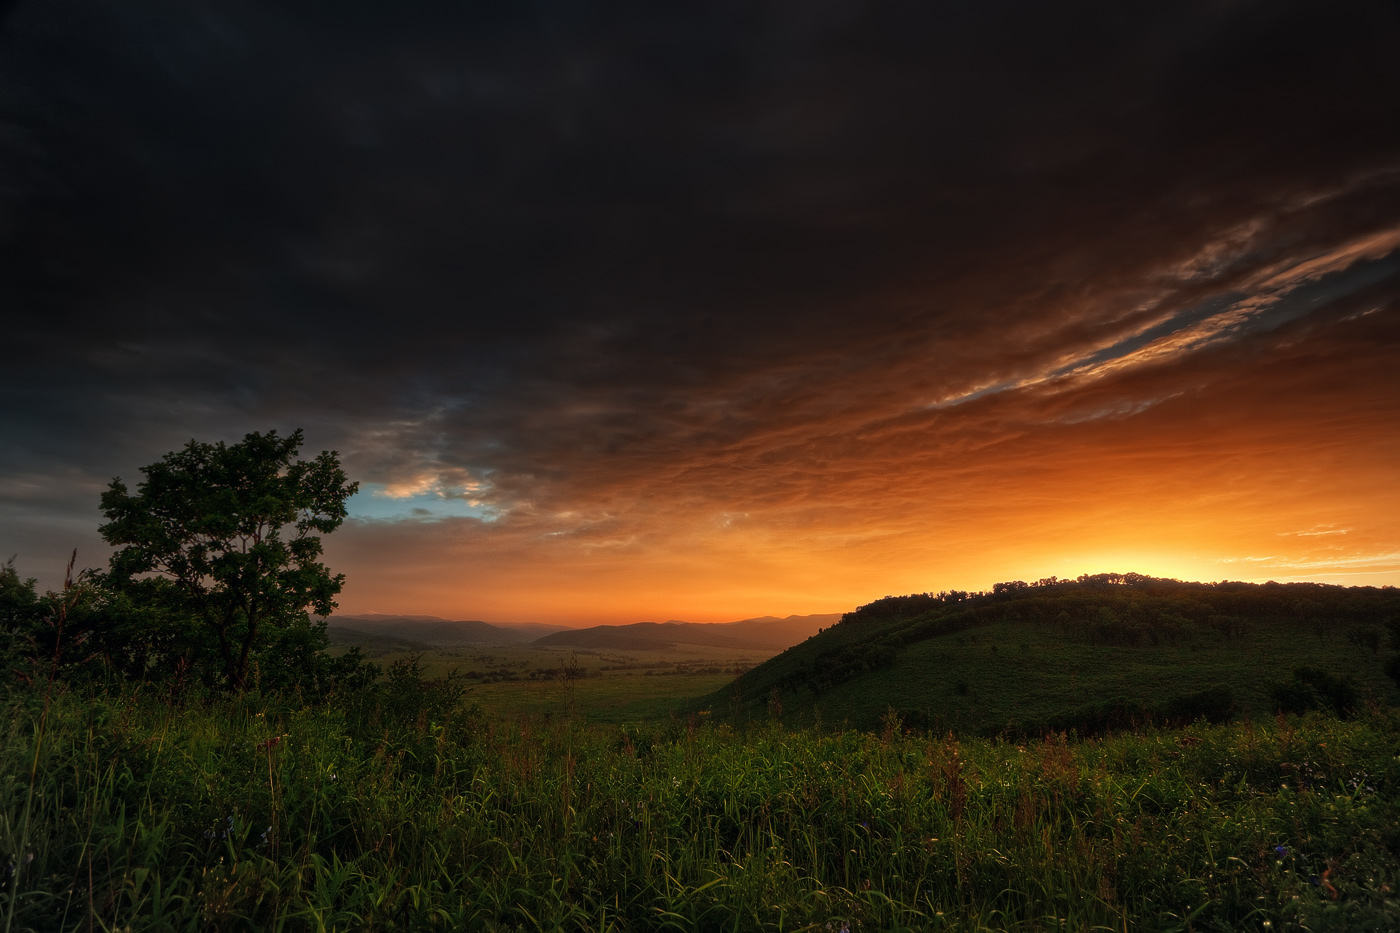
(404, 699)
(1313, 689)
(1215, 705)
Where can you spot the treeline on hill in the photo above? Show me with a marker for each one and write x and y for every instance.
(1121, 610)
(1134, 609)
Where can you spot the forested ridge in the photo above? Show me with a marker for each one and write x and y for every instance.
(1148, 619)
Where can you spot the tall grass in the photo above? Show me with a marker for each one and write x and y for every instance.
(246, 814)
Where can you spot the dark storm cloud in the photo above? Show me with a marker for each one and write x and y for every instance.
(590, 261)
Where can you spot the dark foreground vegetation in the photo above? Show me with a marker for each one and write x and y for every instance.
(392, 808)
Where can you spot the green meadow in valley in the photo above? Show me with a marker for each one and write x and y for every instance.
(601, 686)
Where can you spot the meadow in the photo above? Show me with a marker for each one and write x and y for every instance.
(617, 686)
(407, 806)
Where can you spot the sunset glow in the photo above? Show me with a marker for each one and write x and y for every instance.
(689, 319)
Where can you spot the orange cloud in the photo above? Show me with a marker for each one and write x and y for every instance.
(1268, 456)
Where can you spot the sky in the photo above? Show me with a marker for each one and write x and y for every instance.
(714, 310)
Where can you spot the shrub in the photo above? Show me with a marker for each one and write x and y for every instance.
(1214, 705)
(1313, 689)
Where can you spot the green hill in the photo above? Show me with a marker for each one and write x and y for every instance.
(1101, 652)
(431, 630)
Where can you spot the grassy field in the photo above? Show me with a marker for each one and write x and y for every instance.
(537, 789)
(600, 686)
(391, 811)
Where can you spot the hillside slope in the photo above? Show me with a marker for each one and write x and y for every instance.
(1098, 652)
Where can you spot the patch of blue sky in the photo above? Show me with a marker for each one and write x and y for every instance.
(1272, 312)
(1209, 308)
(973, 395)
(371, 503)
(1310, 296)
(1301, 300)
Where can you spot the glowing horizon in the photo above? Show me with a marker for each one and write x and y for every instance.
(667, 313)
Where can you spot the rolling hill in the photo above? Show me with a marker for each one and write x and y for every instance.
(435, 632)
(1096, 653)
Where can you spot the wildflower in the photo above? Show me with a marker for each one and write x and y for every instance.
(228, 830)
(1328, 885)
(1281, 851)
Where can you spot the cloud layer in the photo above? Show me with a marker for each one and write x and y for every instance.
(721, 310)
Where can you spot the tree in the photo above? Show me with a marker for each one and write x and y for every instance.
(210, 519)
(20, 611)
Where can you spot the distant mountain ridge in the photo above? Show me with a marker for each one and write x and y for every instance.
(436, 632)
(767, 633)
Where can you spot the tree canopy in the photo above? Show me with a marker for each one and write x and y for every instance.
(229, 537)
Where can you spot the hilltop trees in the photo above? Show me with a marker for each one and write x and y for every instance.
(221, 542)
